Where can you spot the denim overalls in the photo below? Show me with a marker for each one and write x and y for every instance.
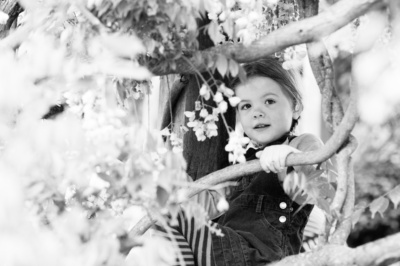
(259, 226)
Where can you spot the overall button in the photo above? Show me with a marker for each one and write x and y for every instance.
(282, 205)
(282, 219)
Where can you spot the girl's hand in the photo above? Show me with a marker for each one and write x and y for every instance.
(273, 158)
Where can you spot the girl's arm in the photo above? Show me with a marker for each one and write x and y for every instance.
(273, 159)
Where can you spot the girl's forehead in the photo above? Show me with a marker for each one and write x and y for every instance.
(257, 85)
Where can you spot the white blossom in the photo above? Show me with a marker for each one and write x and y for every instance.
(237, 147)
(234, 101)
(3, 18)
(203, 112)
(223, 106)
(205, 92)
(165, 132)
(222, 205)
(218, 97)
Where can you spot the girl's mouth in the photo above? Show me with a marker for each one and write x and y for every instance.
(261, 126)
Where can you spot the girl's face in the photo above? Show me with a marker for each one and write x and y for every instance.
(265, 111)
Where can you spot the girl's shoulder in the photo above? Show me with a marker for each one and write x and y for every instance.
(306, 142)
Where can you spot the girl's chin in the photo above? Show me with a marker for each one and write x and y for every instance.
(262, 142)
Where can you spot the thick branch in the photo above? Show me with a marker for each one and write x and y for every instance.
(381, 252)
(322, 67)
(307, 30)
(142, 226)
(175, 92)
(345, 224)
(343, 161)
(332, 111)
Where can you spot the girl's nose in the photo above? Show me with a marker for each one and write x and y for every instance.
(258, 114)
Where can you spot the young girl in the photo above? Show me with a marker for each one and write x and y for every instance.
(263, 223)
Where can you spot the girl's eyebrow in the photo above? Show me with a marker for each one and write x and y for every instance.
(262, 96)
(268, 94)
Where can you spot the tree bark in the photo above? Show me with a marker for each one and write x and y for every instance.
(384, 251)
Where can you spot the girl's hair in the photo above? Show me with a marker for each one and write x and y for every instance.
(271, 68)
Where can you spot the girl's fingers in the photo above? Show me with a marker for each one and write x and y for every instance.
(273, 158)
(282, 162)
(264, 162)
(275, 165)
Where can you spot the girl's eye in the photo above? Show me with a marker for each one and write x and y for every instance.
(245, 106)
(269, 101)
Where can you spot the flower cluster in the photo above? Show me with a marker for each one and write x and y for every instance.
(237, 147)
(204, 125)
(293, 57)
(174, 139)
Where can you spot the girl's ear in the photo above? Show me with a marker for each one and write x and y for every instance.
(296, 112)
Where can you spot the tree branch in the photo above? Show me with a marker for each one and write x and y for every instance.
(321, 64)
(343, 229)
(307, 30)
(332, 110)
(175, 91)
(381, 252)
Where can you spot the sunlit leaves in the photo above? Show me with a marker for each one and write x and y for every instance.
(122, 45)
(162, 196)
(394, 195)
(214, 32)
(222, 64)
(379, 205)
(312, 182)
(233, 68)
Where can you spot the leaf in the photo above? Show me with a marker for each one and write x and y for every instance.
(355, 217)
(127, 46)
(172, 10)
(233, 68)
(394, 196)
(323, 204)
(121, 92)
(242, 74)
(222, 64)
(379, 205)
(162, 196)
(228, 28)
(319, 190)
(313, 174)
(121, 68)
(213, 32)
